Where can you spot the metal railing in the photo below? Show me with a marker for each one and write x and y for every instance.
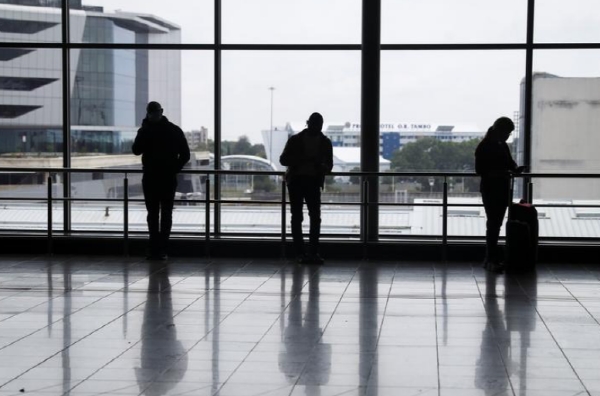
(365, 204)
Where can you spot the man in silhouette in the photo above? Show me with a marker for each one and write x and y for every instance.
(164, 151)
(309, 157)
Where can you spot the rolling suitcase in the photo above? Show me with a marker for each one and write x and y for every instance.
(521, 236)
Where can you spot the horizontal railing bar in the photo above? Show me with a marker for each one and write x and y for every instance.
(278, 173)
(300, 46)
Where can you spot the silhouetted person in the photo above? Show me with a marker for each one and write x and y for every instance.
(494, 163)
(164, 151)
(309, 157)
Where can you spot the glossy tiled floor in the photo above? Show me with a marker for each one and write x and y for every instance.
(89, 326)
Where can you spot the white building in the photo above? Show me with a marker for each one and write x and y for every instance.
(392, 135)
(347, 159)
(197, 138)
(565, 135)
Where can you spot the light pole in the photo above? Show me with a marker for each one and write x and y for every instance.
(271, 133)
(431, 182)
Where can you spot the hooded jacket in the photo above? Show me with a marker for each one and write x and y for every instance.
(163, 147)
(294, 155)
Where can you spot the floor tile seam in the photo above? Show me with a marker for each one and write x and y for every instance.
(541, 318)
(437, 335)
(72, 344)
(54, 322)
(133, 345)
(278, 318)
(216, 325)
(497, 344)
(381, 324)
(581, 305)
(302, 371)
(59, 295)
(170, 289)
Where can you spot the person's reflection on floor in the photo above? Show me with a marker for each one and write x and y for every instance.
(490, 375)
(162, 354)
(304, 355)
(520, 307)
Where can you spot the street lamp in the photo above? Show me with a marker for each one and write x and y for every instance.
(431, 183)
(271, 133)
(272, 89)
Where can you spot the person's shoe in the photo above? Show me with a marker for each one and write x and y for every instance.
(302, 258)
(316, 259)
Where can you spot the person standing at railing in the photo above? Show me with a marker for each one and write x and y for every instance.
(164, 152)
(494, 163)
(308, 156)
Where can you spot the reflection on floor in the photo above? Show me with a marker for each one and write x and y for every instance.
(115, 326)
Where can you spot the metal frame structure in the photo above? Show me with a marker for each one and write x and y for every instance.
(370, 48)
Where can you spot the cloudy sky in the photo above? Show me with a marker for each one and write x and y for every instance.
(416, 86)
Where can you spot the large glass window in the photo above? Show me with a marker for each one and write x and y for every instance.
(110, 93)
(456, 21)
(435, 108)
(435, 104)
(269, 99)
(295, 22)
(143, 22)
(30, 21)
(575, 21)
(565, 121)
(31, 107)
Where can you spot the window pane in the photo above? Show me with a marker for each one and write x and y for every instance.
(567, 21)
(303, 82)
(287, 21)
(436, 105)
(21, 215)
(110, 91)
(457, 21)
(568, 217)
(31, 108)
(565, 122)
(142, 21)
(30, 21)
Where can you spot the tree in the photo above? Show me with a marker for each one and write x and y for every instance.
(241, 147)
(355, 179)
(263, 183)
(429, 154)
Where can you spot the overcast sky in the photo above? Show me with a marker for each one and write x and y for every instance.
(421, 86)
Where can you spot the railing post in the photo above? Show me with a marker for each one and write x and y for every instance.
(283, 218)
(207, 218)
(445, 220)
(126, 216)
(529, 191)
(365, 219)
(50, 214)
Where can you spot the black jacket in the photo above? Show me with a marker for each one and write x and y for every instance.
(493, 162)
(294, 155)
(163, 147)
